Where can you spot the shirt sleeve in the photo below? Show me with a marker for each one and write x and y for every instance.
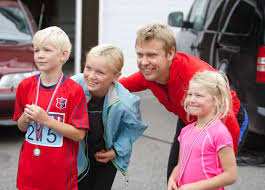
(233, 127)
(131, 128)
(134, 82)
(222, 138)
(19, 108)
(78, 111)
(180, 136)
(184, 131)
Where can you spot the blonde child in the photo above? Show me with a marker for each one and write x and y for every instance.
(46, 109)
(114, 119)
(206, 158)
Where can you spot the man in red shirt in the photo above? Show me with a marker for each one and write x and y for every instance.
(167, 74)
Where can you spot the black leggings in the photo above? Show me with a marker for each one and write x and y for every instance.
(99, 177)
(174, 151)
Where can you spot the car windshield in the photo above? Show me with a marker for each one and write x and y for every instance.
(13, 25)
(198, 12)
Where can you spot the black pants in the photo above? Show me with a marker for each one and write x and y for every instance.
(99, 177)
(174, 151)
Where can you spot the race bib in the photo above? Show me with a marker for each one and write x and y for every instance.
(48, 136)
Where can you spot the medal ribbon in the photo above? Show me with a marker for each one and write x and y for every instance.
(38, 132)
(182, 167)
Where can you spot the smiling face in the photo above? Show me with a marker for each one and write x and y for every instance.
(98, 76)
(199, 102)
(153, 61)
(48, 58)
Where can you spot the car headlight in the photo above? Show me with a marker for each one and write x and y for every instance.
(13, 80)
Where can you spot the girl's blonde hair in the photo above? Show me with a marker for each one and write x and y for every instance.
(55, 36)
(216, 83)
(112, 55)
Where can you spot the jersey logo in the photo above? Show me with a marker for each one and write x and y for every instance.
(61, 103)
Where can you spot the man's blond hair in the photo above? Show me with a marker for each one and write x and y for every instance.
(157, 31)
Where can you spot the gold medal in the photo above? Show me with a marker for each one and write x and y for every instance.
(36, 151)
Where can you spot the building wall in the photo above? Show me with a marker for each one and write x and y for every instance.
(120, 19)
(62, 13)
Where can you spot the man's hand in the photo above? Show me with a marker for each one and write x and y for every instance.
(105, 156)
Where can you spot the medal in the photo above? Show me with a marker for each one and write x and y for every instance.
(36, 151)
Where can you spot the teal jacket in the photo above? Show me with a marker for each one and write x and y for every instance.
(122, 124)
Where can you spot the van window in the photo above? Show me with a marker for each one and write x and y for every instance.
(198, 13)
(241, 19)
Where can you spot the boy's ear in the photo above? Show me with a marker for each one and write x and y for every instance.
(116, 76)
(64, 56)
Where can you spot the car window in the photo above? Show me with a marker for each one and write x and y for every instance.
(241, 19)
(198, 13)
(13, 25)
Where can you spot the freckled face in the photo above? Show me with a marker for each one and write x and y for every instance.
(48, 58)
(98, 75)
(200, 102)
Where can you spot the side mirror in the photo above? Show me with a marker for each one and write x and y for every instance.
(175, 19)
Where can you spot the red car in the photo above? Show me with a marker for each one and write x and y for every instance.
(16, 53)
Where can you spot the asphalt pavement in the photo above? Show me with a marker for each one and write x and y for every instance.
(147, 170)
(148, 166)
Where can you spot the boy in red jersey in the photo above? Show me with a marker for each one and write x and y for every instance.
(51, 109)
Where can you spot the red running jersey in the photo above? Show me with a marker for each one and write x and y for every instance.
(56, 167)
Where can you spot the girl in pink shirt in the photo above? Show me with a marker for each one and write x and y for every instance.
(206, 157)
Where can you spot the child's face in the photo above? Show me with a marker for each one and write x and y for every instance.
(48, 58)
(98, 76)
(200, 102)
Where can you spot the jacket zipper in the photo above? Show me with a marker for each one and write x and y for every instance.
(125, 174)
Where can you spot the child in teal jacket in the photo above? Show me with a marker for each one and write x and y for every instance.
(120, 120)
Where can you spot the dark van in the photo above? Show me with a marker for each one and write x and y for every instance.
(229, 35)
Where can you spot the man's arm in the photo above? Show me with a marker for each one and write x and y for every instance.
(235, 102)
(233, 127)
(231, 120)
(134, 82)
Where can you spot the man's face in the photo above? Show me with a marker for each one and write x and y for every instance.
(152, 60)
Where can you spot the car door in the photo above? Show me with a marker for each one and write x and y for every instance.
(188, 37)
(236, 50)
(204, 17)
(237, 39)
